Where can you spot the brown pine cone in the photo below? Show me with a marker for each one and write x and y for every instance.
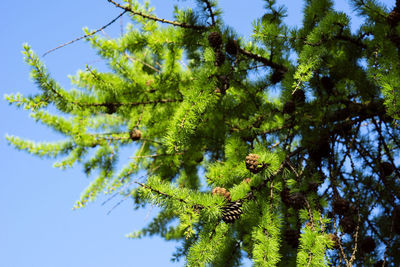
(299, 96)
(231, 47)
(215, 40)
(277, 76)
(219, 58)
(327, 84)
(386, 168)
(291, 237)
(348, 224)
(396, 219)
(341, 206)
(247, 180)
(368, 245)
(289, 107)
(335, 240)
(221, 192)
(232, 211)
(297, 200)
(394, 17)
(135, 134)
(253, 165)
(285, 196)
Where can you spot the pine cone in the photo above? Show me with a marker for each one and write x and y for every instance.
(285, 196)
(289, 107)
(231, 47)
(297, 200)
(135, 134)
(232, 211)
(111, 108)
(340, 206)
(223, 82)
(247, 180)
(215, 40)
(393, 18)
(335, 240)
(253, 165)
(319, 150)
(368, 245)
(277, 76)
(313, 186)
(219, 58)
(327, 84)
(221, 192)
(396, 219)
(348, 224)
(299, 96)
(291, 237)
(386, 169)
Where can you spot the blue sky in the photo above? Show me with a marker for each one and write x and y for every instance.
(38, 227)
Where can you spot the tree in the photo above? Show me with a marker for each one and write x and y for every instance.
(307, 177)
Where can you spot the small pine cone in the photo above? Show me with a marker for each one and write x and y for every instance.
(386, 169)
(327, 84)
(291, 237)
(348, 224)
(289, 107)
(221, 192)
(111, 108)
(394, 17)
(285, 196)
(297, 200)
(223, 83)
(299, 96)
(341, 206)
(320, 150)
(346, 129)
(219, 58)
(232, 211)
(368, 245)
(313, 186)
(231, 47)
(396, 219)
(379, 263)
(247, 180)
(135, 134)
(335, 240)
(277, 76)
(253, 165)
(215, 39)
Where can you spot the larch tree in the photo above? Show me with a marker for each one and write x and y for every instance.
(281, 147)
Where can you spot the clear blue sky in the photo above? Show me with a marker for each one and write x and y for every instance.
(38, 227)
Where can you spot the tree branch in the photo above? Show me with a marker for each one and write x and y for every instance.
(263, 60)
(175, 23)
(87, 35)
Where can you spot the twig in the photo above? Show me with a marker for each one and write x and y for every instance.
(157, 155)
(86, 35)
(210, 11)
(144, 63)
(159, 101)
(263, 60)
(179, 24)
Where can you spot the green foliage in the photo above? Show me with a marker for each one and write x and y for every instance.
(236, 172)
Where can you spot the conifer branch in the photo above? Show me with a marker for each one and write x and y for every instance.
(86, 35)
(210, 11)
(158, 155)
(141, 14)
(118, 104)
(160, 193)
(263, 60)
